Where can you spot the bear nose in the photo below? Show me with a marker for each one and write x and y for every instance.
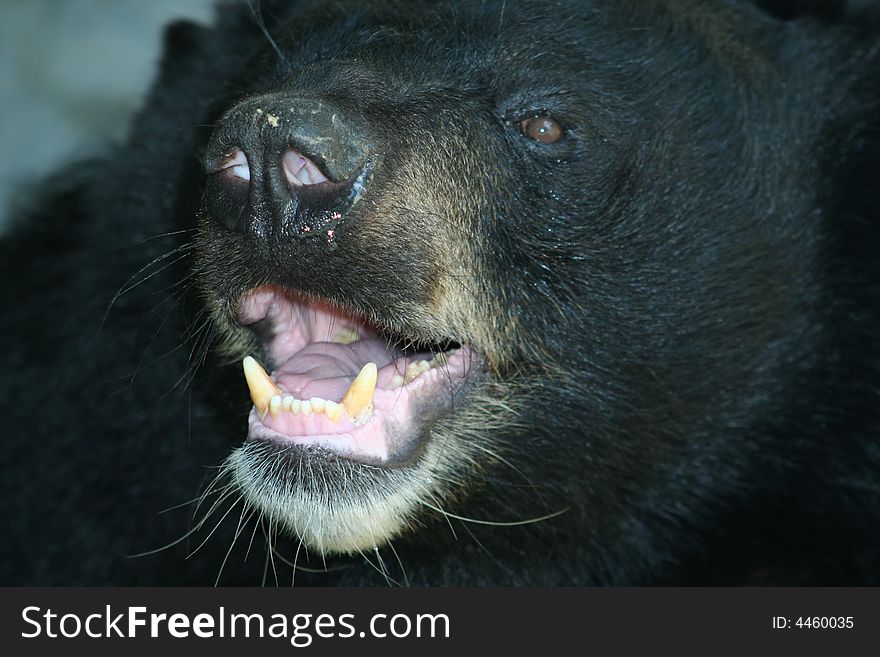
(285, 168)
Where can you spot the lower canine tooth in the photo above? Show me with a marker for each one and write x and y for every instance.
(261, 387)
(358, 399)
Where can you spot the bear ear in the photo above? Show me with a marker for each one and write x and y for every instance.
(791, 9)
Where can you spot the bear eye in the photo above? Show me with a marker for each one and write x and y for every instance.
(543, 129)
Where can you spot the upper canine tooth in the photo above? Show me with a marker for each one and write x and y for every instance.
(358, 399)
(261, 387)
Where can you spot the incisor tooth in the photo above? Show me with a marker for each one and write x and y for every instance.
(358, 399)
(275, 405)
(333, 410)
(260, 385)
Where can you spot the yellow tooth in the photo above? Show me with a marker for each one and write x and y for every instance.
(415, 369)
(333, 410)
(275, 405)
(260, 385)
(358, 399)
(347, 336)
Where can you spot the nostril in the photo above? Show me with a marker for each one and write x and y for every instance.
(235, 163)
(228, 188)
(300, 170)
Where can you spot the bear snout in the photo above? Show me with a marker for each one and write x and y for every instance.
(284, 168)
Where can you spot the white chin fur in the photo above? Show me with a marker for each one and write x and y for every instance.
(359, 518)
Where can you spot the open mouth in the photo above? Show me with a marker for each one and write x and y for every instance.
(341, 384)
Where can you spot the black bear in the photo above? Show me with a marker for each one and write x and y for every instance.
(546, 292)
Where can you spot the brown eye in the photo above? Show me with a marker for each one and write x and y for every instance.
(543, 129)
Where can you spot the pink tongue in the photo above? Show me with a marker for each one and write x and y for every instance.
(326, 369)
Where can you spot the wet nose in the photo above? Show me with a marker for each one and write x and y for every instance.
(290, 168)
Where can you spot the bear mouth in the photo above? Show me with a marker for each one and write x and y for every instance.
(341, 384)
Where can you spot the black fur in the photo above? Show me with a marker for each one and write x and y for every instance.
(688, 286)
